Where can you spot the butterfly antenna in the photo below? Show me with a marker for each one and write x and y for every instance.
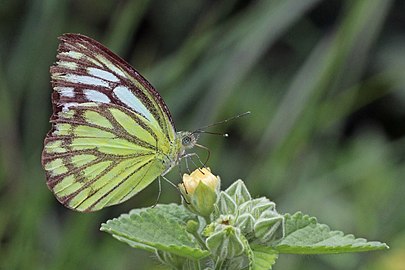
(212, 133)
(222, 122)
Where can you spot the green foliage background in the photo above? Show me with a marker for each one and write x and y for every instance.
(324, 80)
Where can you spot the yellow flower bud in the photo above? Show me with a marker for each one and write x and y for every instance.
(190, 182)
(200, 189)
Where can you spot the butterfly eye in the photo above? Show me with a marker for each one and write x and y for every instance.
(186, 140)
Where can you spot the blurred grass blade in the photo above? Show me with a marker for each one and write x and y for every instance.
(179, 68)
(256, 32)
(294, 120)
(124, 23)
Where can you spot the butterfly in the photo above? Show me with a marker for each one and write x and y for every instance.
(112, 134)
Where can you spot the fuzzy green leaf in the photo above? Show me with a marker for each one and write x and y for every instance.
(162, 227)
(263, 257)
(304, 235)
(169, 211)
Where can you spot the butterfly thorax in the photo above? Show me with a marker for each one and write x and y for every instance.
(184, 140)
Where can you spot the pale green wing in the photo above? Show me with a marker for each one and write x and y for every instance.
(101, 154)
(112, 134)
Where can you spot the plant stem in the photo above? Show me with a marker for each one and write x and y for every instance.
(200, 240)
(207, 220)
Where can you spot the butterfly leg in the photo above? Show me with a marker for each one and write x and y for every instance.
(178, 189)
(186, 157)
(160, 192)
(186, 161)
(180, 169)
(190, 156)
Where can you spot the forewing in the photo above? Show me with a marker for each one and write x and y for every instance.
(98, 155)
(86, 71)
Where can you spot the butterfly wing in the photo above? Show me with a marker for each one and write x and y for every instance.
(111, 131)
(87, 71)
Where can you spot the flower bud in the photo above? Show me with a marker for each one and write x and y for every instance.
(246, 223)
(226, 243)
(225, 204)
(267, 229)
(238, 192)
(200, 189)
(192, 226)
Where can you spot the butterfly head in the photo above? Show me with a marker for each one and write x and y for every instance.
(188, 139)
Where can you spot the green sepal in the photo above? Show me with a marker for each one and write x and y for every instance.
(203, 199)
(257, 206)
(267, 229)
(246, 223)
(225, 243)
(238, 192)
(262, 205)
(225, 204)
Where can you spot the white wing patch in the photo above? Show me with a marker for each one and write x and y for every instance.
(66, 106)
(82, 79)
(73, 54)
(68, 65)
(66, 91)
(129, 99)
(96, 96)
(96, 72)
